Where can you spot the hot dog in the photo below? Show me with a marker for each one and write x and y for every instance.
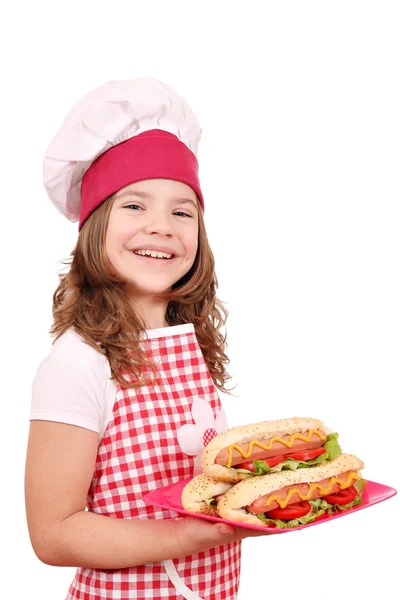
(268, 447)
(293, 498)
(202, 493)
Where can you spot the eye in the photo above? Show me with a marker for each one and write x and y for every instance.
(133, 206)
(180, 213)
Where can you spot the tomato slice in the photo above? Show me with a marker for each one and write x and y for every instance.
(274, 460)
(293, 511)
(246, 465)
(343, 496)
(307, 454)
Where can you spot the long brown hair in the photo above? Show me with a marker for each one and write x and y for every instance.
(92, 299)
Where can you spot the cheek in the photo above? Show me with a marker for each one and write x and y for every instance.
(113, 248)
(116, 237)
(191, 251)
(192, 243)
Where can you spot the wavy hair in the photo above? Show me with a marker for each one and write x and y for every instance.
(92, 299)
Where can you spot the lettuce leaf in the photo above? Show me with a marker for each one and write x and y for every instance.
(332, 450)
(332, 446)
(360, 485)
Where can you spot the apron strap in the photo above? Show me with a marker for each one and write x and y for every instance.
(178, 582)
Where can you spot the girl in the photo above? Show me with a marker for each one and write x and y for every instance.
(126, 399)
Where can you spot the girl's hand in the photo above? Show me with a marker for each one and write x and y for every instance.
(196, 535)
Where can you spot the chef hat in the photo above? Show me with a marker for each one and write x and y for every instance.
(120, 133)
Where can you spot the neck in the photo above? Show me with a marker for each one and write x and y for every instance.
(152, 312)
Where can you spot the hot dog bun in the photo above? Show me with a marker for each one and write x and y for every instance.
(231, 506)
(198, 489)
(247, 433)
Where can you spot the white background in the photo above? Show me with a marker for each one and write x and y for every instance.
(299, 163)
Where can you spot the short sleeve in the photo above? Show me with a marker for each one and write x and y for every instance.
(70, 385)
(67, 392)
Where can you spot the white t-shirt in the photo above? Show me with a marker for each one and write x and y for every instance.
(73, 383)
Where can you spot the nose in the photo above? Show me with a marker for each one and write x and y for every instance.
(159, 223)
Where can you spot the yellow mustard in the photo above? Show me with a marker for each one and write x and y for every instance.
(288, 443)
(352, 476)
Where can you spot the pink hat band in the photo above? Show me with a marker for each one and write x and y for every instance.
(154, 154)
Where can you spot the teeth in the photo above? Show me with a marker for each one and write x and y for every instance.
(153, 253)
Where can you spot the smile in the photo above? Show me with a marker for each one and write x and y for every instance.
(153, 254)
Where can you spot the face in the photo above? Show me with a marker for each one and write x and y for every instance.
(152, 235)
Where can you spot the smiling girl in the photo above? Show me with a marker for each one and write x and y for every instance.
(127, 397)
(140, 244)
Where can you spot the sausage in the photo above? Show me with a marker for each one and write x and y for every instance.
(277, 448)
(260, 506)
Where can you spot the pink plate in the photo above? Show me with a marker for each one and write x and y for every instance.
(169, 497)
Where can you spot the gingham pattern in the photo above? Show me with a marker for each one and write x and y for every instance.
(139, 453)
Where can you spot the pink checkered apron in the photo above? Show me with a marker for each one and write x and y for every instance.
(139, 453)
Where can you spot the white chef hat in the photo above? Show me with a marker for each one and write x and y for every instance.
(120, 133)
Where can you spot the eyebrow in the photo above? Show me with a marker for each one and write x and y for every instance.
(139, 194)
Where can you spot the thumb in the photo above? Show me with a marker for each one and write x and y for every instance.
(225, 529)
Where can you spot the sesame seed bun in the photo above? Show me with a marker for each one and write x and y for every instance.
(198, 489)
(231, 506)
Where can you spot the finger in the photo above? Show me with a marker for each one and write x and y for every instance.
(225, 529)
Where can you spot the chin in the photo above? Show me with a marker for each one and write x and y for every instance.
(148, 290)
